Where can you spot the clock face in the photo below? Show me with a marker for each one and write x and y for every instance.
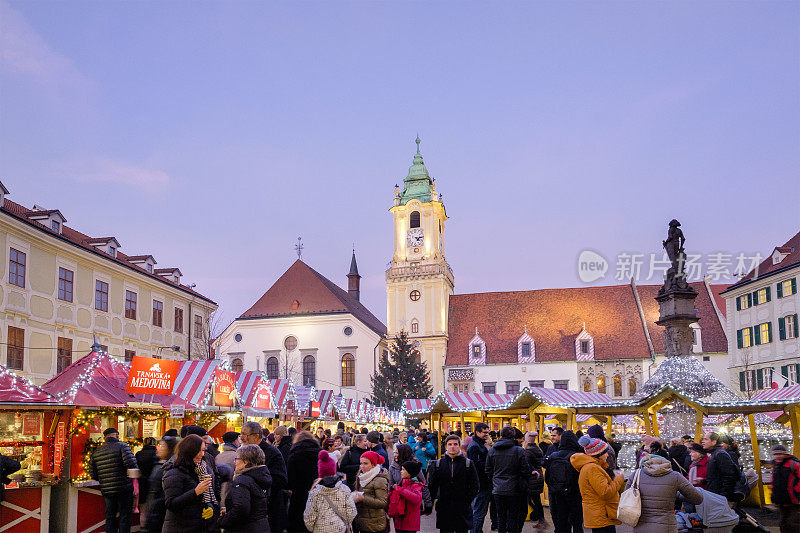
(416, 237)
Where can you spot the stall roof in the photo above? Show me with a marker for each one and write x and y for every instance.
(324, 398)
(14, 388)
(413, 405)
(247, 383)
(94, 380)
(280, 389)
(194, 379)
(789, 393)
(561, 397)
(474, 401)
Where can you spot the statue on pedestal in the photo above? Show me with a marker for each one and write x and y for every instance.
(675, 279)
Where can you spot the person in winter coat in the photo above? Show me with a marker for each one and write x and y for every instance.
(786, 488)
(507, 466)
(599, 491)
(7, 466)
(248, 498)
(424, 450)
(732, 448)
(156, 509)
(722, 474)
(679, 456)
(405, 499)
(375, 444)
(371, 494)
(698, 468)
(273, 459)
(230, 443)
(192, 506)
(109, 465)
(544, 441)
(562, 485)
(302, 471)
(283, 441)
(330, 507)
(536, 480)
(658, 485)
(453, 484)
(351, 460)
(477, 453)
(146, 459)
(402, 454)
(596, 432)
(326, 466)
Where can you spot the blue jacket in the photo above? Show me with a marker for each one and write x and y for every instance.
(424, 453)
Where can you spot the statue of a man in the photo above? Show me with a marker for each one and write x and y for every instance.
(674, 245)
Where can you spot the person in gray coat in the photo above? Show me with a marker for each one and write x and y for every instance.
(658, 486)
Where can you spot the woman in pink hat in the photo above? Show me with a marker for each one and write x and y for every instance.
(371, 494)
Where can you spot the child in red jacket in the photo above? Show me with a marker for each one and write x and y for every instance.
(406, 499)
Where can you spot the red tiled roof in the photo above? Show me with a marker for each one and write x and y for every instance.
(81, 240)
(792, 247)
(554, 318)
(301, 290)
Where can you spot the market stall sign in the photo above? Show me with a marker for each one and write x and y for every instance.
(152, 376)
(58, 447)
(263, 399)
(314, 410)
(177, 411)
(224, 388)
(32, 424)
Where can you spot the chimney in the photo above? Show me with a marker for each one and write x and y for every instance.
(353, 279)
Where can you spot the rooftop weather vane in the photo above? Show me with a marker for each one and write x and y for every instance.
(299, 247)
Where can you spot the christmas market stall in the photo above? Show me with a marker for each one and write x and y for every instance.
(34, 432)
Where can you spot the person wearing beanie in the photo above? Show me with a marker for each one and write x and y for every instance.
(326, 466)
(596, 432)
(599, 491)
(172, 432)
(404, 504)
(371, 494)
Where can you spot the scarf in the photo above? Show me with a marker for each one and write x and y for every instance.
(208, 496)
(369, 475)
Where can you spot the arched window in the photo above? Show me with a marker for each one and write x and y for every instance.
(272, 368)
(587, 386)
(348, 370)
(309, 371)
(601, 384)
(631, 387)
(237, 365)
(414, 219)
(617, 385)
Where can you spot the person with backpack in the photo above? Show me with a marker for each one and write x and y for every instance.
(599, 491)
(330, 506)
(508, 468)
(477, 452)
(453, 483)
(562, 485)
(786, 488)
(406, 499)
(424, 450)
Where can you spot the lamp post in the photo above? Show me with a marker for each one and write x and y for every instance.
(174, 348)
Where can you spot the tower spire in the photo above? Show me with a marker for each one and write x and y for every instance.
(353, 278)
(417, 141)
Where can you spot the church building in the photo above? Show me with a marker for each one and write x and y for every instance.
(308, 329)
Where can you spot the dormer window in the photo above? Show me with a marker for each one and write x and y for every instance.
(780, 253)
(526, 349)
(3, 193)
(51, 218)
(112, 251)
(172, 274)
(109, 245)
(477, 350)
(584, 346)
(55, 225)
(147, 262)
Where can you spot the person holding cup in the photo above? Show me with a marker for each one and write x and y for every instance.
(189, 495)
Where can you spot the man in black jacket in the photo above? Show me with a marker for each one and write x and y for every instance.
(109, 465)
(277, 507)
(508, 468)
(562, 483)
(477, 452)
(453, 483)
(350, 462)
(722, 474)
(146, 459)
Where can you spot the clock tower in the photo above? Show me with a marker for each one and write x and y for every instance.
(419, 281)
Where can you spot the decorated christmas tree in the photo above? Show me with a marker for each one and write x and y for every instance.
(400, 375)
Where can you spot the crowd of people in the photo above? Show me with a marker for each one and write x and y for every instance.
(371, 482)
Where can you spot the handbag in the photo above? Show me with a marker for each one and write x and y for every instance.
(630, 503)
(348, 526)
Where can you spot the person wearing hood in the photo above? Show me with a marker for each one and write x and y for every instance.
(405, 499)
(596, 432)
(371, 494)
(330, 507)
(508, 468)
(247, 501)
(562, 485)
(402, 454)
(302, 471)
(424, 450)
(658, 486)
(599, 491)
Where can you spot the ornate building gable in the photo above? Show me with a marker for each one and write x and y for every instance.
(584, 345)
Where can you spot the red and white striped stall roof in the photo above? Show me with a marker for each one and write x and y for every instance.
(194, 379)
(303, 396)
(246, 385)
(476, 401)
(346, 410)
(783, 394)
(569, 397)
(324, 397)
(280, 391)
(417, 406)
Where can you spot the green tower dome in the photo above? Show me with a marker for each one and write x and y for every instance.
(418, 182)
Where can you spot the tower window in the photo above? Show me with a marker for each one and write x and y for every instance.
(415, 295)
(526, 349)
(414, 219)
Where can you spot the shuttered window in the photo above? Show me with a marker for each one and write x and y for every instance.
(64, 354)
(786, 288)
(16, 351)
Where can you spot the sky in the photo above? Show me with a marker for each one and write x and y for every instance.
(213, 134)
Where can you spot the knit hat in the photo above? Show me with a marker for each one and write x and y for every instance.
(695, 447)
(779, 449)
(171, 433)
(374, 437)
(326, 466)
(373, 458)
(229, 437)
(596, 431)
(591, 446)
(192, 429)
(110, 431)
(412, 467)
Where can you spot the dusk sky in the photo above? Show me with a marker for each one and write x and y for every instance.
(213, 134)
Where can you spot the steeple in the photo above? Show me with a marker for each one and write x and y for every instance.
(354, 279)
(418, 182)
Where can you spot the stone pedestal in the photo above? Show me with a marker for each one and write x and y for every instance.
(676, 313)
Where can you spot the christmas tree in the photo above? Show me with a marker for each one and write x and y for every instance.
(400, 375)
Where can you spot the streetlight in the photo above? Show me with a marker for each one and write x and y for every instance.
(174, 348)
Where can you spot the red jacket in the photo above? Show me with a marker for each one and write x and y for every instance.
(404, 505)
(702, 470)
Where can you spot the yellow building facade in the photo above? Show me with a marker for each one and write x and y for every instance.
(60, 287)
(419, 281)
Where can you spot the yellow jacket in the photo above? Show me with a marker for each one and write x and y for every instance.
(599, 492)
